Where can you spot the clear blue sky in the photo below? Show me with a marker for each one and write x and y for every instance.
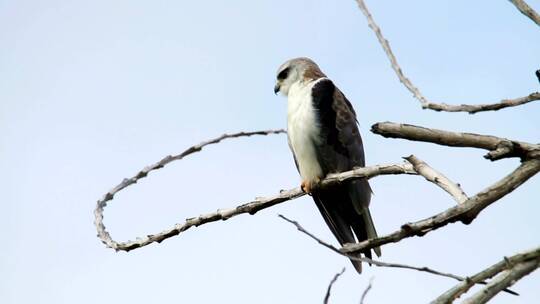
(92, 91)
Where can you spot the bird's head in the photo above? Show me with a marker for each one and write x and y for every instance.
(296, 70)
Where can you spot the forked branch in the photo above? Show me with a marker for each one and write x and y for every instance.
(438, 179)
(505, 279)
(465, 212)
(509, 268)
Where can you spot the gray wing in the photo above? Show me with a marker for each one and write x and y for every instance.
(340, 148)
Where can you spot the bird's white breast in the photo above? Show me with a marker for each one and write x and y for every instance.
(303, 129)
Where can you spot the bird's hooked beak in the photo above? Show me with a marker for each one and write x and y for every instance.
(277, 87)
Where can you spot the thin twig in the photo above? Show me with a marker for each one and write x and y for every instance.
(473, 109)
(365, 259)
(388, 50)
(426, 104)
(438, 179)
(526, 10)
(368, 288)
(508, 262)
(376, 262)
(334, 279)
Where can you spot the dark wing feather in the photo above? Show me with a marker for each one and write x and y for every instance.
(344, 207)
(341, 148)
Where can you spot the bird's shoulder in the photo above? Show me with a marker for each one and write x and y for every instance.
(338, 122)
(327, 96)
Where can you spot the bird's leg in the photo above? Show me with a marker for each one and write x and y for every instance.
(308, 186)
(305, 186)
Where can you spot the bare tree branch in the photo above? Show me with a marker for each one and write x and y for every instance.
(102, 203)
(368, 172)
(506, 264)
(502, 281)
(334, 279)
(426, 104)
(376, 262)
(414, 166)
(368, 260)
(388, 50)
(438, 179)
(526, 10)
(499, 147)
(368, 288)
(224, 214)
(465, 212)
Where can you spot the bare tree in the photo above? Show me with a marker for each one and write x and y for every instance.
(496, 278)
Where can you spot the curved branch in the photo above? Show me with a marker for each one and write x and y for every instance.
(224, 214)
(102, 203)
(502, 281)
(334, 279)
(506, 264)
(465, 212)
(526, 10)
(368, 288)
(426, 104)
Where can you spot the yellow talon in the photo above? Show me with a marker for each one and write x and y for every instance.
(308, 186)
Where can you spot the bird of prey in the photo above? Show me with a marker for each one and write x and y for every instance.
(323, 136)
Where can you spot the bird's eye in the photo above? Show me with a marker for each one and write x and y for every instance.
(283, 74)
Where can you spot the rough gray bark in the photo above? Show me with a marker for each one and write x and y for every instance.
(508, 263)
(505, 279)
(526, 10)
(498, 147)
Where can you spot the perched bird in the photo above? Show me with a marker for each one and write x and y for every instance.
(323, 136)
